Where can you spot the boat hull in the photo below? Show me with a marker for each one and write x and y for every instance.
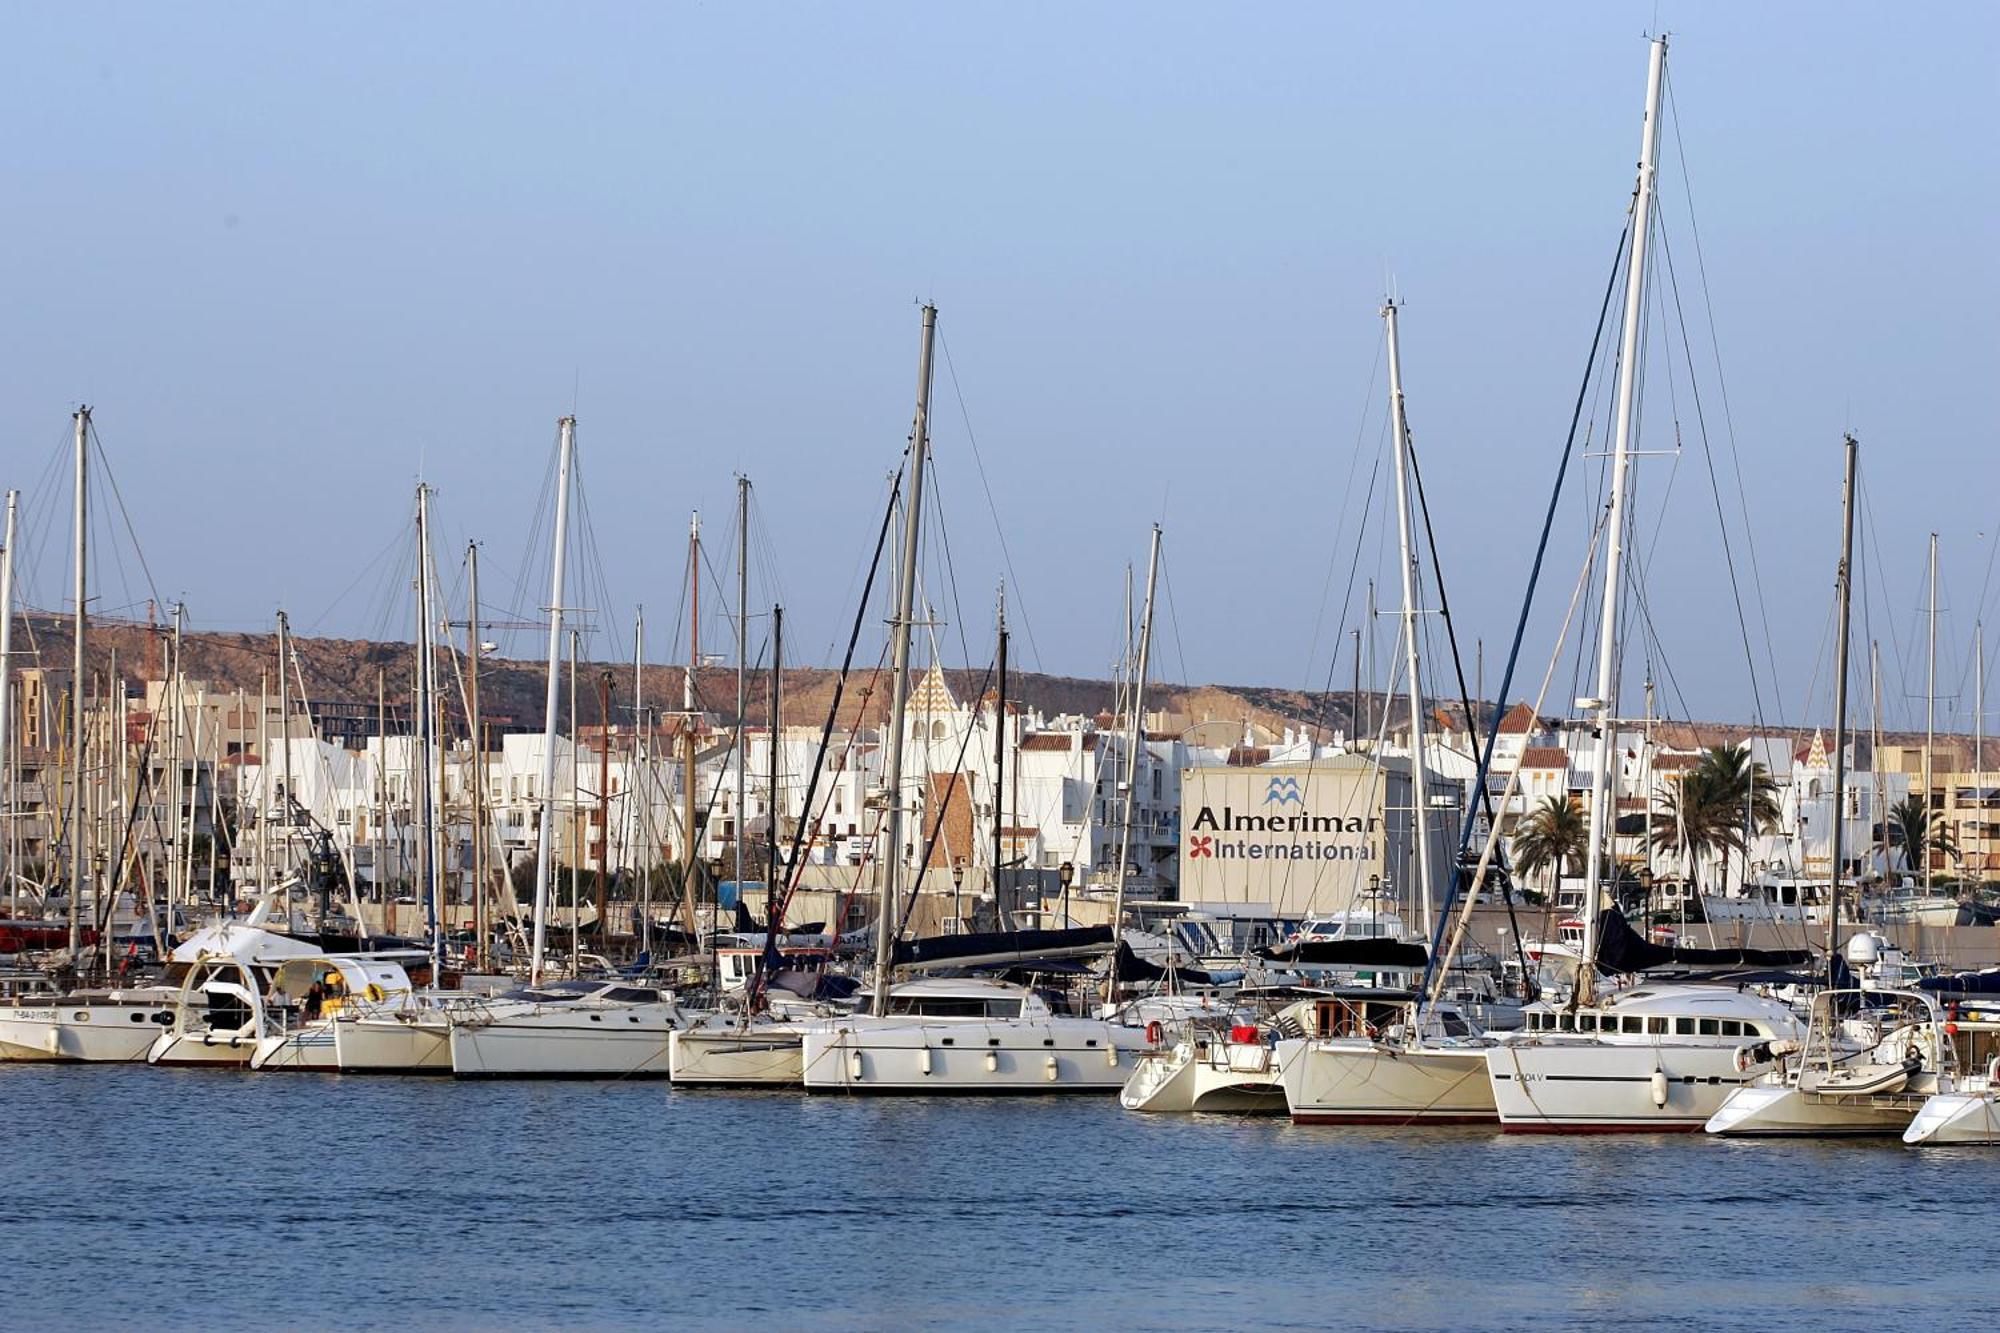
(561, 1043)
(759, 1057)
(309, 1048)
(1238, 1079)
(1785, 1110)
(1348, 1082)
(1600, 1088)
(970, 1058)
(1956, 1117)
(393, 1045)
(80, 1033)
(202, 1050)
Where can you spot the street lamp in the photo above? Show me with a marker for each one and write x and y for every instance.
(957, 883)
(1065, 873)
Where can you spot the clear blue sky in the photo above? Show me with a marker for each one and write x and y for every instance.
(295, 257)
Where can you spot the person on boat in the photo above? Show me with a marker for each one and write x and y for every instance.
(315, 1001)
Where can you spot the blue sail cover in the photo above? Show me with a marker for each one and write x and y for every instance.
(984, 948)
(1983, 982)
(1349, 953)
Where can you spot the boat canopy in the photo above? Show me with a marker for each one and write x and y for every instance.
(1983, 982)
(1622, 949)
(1349, 953)
(987, 948)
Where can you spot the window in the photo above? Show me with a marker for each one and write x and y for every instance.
(1732, 1027)
(1710, 1027)
(1566, 1022)
(1635, 1024)
(1656, 1027)
(1684, 1027)
(1586, 1022)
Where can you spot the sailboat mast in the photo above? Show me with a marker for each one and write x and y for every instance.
(79, 859)
(430, 872)
(742, 674)
(690, 922)
(6, 708)
(1399, 429)
(1840, 698)
(1930, 716)
(630, 832)
(1605, 703)
(771, 804)
(1135, 737)
(545, 833)
(476, 728)
(899, 696)
(1000, 758)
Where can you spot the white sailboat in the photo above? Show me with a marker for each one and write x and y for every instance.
(1869, 1062)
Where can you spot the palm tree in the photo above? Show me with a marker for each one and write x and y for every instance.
(1912, 829)
(1551, 837)
(1716, 806)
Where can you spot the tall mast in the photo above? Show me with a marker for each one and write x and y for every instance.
(1846, 578)
(604, 680)
(6, 708)
(476, 729)
(1875, 757)
(79, 858)
(1930, 717)
(639, 763)
(1000, 758)
(1978, 696)
(1135, 737)
(383, 877)
(285, 729)
(690, 921)
(430, 873)
(545, 833)
(575, 805)
(1399, 427)
(771, 805)
(1370, 621)
(899, 696)
(742, 675)
(1605, 703)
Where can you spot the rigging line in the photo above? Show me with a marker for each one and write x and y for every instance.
(1528, 600)
(979, 465)
(367, 570)
(1721, 522)
(1722, 389)
(1174, 618)
(943, 544)
(957, 780)
(1347, 604)
(775, 914)
(1346, 492)
(139, 554)
(1444, 610)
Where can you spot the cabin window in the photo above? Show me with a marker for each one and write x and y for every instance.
(1566, 1022)
(1635, 1024)
(1684, 1027)
(1711, 1027)
(1656, 1027)
(1732, 1027)
(1586, 1022)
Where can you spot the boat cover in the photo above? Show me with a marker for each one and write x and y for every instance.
(1622, 949)
(1983, 982)
(1349, 953)
(1001, 946)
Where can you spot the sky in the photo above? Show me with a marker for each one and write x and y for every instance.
(297, 260)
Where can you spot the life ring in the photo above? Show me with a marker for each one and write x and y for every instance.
(1155, 1030)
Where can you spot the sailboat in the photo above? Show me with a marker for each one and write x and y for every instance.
(1400, 1059)
(568, 1029)
(1656, 1056)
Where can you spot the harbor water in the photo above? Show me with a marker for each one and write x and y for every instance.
(146, 1198)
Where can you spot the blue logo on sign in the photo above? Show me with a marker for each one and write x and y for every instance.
(1284, 791)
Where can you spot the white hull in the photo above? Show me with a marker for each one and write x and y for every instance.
(562, 1041)
(1764, 1109)
(80, 1033)
(1598, 1087)
(760, 1055)
(410, 1045)
(1355, 1081)
(1956, 1117)
(970, 1057)
(202, 1049)
(309, 1048)
(1229, 1077)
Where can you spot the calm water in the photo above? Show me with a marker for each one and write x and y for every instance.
(155, 1199)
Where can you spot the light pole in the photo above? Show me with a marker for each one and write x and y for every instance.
(1065, 873)
(957, 883)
